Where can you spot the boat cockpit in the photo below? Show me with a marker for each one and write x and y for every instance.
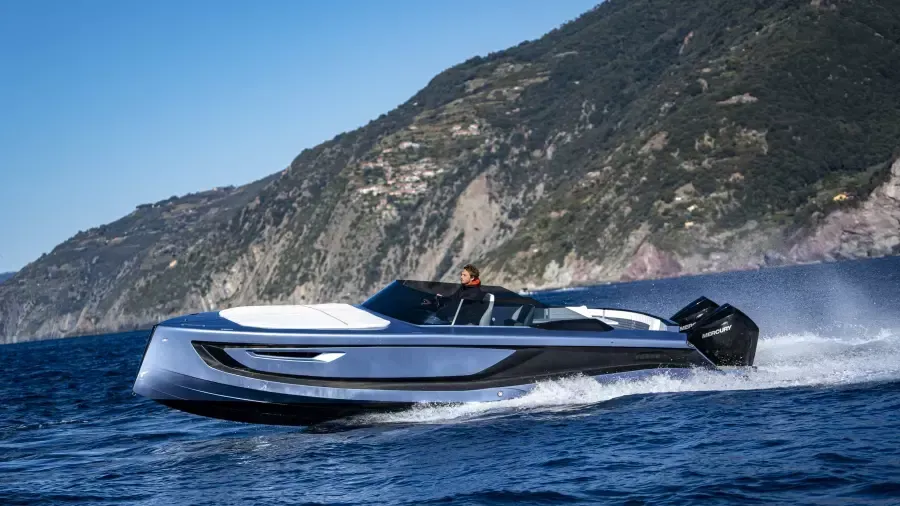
(428, 303)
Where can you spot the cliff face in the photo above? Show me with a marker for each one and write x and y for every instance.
(870, 230)
(86, 283)
(644, 139)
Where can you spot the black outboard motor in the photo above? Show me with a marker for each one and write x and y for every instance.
(724, 334)
(693, 313)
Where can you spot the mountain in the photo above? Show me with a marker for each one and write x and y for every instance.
(6, 275)
(646, 138)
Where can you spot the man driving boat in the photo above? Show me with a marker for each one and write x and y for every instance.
(470, 289)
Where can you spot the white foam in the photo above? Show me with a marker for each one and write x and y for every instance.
(794, 360)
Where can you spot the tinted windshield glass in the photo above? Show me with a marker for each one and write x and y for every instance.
(432, 303)
(409, 305)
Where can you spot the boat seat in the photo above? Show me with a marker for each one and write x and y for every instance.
(471, 316)
(486, 317)
(522, 317)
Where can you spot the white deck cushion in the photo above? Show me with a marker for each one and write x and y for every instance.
(310, 316)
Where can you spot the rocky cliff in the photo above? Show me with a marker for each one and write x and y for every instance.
(646, 138)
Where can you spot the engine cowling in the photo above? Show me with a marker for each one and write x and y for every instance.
(697, 310)
(726, 335)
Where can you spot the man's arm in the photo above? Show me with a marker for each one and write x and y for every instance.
(438, 298)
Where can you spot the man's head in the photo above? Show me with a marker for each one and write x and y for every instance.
(469, 273)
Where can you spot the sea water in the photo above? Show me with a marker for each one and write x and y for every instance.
(816, 423)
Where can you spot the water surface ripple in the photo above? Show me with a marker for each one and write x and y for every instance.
(815, 424)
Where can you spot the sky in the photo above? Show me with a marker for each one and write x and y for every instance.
(105, 105)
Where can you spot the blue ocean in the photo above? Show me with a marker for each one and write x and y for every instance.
(817, 423)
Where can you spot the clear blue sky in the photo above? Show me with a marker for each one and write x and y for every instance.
(107, 104)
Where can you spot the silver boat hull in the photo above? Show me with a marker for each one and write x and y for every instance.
(271, 378)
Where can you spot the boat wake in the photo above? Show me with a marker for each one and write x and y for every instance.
(791, 360)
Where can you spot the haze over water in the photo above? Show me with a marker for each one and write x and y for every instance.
(816, 423)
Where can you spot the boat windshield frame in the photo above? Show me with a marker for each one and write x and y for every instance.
(403, 300)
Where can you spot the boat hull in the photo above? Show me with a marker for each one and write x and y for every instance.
(305, 378)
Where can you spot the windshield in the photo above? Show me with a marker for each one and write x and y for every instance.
(435, 303)
(405, 303)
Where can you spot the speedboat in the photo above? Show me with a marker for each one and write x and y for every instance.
(307, 364)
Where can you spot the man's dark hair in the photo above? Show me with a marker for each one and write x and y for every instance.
(472, 270)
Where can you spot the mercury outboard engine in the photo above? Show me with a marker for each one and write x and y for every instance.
(693, 313)
(724, 334)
